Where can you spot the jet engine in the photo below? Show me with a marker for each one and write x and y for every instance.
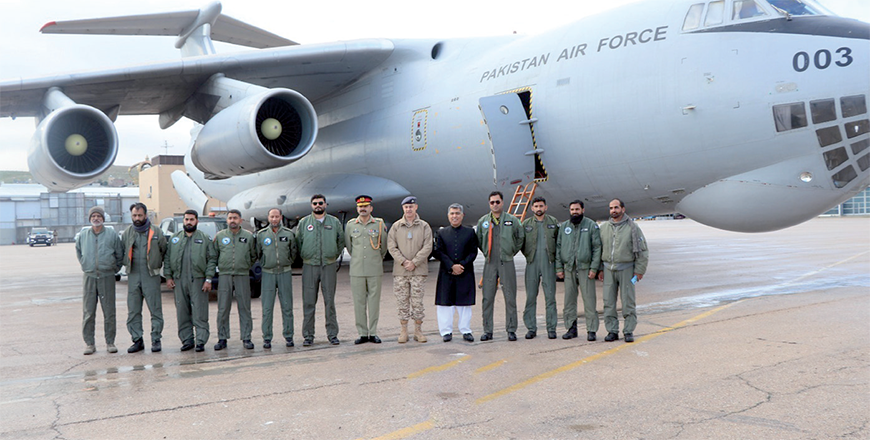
(72, 146)
(260, 132)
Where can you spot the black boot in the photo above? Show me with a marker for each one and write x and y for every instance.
(572, 332)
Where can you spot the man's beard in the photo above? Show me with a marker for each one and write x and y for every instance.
(139, 223)
(97, 222)
(576, 219)
(539, 213)
(189, 228)
(318, 210)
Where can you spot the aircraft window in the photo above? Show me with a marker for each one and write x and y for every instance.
(864, 162)
(857, 128)
(693, 18)
(829, 136)
(853, 105)
(835, 158)
(860, 146)
(823, 111)
(845, 176)
(746, 9)
(795, 7)
(789, 116)
(715, 13)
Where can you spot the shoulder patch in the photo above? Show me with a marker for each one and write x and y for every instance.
(485, 225)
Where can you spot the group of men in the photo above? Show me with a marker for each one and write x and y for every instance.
(576, 250)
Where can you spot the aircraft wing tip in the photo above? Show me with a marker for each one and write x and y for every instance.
(47, 25)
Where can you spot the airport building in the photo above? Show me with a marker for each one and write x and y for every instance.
(24, 206)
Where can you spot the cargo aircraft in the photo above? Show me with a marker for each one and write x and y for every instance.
(745, 115)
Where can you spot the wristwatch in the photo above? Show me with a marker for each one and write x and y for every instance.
(208, 280)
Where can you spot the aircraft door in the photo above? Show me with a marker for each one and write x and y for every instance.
(507, 117)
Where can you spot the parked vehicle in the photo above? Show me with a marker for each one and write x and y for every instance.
(40, 236)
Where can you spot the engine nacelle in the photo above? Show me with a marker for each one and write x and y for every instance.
(72, 146)
(261, 132)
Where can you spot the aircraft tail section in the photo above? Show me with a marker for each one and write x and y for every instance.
(195, 29)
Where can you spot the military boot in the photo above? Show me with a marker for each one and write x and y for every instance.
(418, 332)
(403, 335)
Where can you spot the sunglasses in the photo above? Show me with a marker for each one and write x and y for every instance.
(495, 202)
(317, 203)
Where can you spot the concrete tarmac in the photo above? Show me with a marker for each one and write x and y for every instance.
(739, 336)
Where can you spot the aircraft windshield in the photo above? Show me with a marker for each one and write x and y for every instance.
(797, 7)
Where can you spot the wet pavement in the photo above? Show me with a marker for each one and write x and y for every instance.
(739, 336)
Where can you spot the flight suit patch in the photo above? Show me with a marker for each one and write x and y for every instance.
(283, 239)
(243, 240)
(551, 226)
(198, 241)
(509, 223)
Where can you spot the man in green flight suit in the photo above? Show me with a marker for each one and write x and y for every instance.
(366, 241)
(100, 254)
(500, 236)
(276, 249)
(236, 253)
(539, 247)
(144, 247)
(320, 240)
(578, 255)
(190, 264)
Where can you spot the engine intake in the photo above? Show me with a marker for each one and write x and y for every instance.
(71, 147)
(261, 132)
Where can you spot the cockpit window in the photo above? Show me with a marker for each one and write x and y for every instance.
(746, 9)
(715, 13)
(796, 7)
(693, 18)
(789, 116)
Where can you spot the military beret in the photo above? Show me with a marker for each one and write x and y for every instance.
(410, 200)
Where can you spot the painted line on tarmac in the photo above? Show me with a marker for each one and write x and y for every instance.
(596, 356)
(407, 432)
(438, 368)
(491, 366)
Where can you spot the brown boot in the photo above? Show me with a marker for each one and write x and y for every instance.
(418, 332)
(403, 335)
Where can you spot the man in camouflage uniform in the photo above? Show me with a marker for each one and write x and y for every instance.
(410, 243)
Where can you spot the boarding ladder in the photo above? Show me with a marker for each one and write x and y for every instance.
(522, 199)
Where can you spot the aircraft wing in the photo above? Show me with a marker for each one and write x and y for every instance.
(226, 29)
(315, 70)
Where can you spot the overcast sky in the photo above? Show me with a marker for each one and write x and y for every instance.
(24, 52)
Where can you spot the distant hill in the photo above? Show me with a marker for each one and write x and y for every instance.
(116, 176)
